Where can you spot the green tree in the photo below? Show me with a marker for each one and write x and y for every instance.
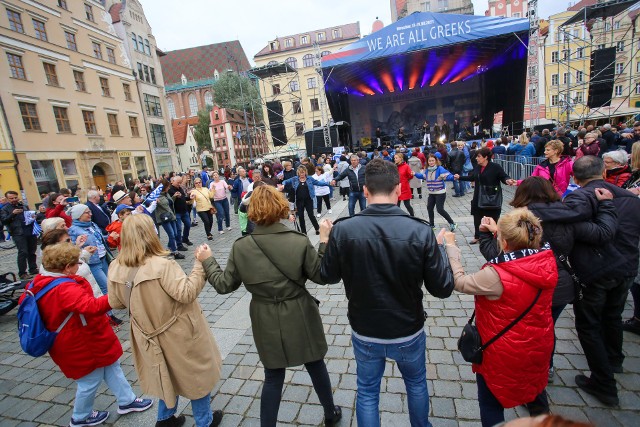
(201, 130)
(227, 94)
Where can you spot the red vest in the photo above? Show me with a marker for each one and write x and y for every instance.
(515, 367)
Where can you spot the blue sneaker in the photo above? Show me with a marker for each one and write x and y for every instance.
(453, 226)
(96, 417)
(138, 405)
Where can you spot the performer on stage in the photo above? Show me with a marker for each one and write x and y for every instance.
(436, 131)
(378, 138)
(476, 125)
(402, 139)
(456, 129)
(446, 131)
(426, 133)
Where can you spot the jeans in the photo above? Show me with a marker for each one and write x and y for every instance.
(599, 327)
(235, 202)
(88, 385)
(437, 201)
(26, 246)
(170, 228)
(201, 408)
(459, 187)
(222, 206)
(359, 197)
(272, 391)
(194, 213)
(207, 221)
(100, 272)
(182, 219)
(411, 360)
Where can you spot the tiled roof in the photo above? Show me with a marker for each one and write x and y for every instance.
(114, 11)
(582, 3)
(180, 127)
(198, 63)
(348, 31)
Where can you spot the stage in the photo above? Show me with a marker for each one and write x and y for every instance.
(433, 67)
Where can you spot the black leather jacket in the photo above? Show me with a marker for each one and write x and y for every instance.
(356, 180)
(457, 160)
(15, 223)
(384, 256)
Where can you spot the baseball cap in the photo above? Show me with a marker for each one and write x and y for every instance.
(120, 208)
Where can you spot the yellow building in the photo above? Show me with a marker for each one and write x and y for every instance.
(70, 97)
(300, 92)
(8, 171)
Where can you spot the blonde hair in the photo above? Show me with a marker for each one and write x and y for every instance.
(635, 156)
(51, 224)
(521, 229)
(139, 241)
(556, 144)
(267, 206)
(56, 258)
(302, 169)
(523, 139)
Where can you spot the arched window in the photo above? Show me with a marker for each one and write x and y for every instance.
(172, 108)
(193, 105)
(292, 62)
(272, 63)
(208, 98)
(325, 53)
(307, 60)
(134, 39)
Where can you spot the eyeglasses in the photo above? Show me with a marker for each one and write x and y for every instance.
(68, 240)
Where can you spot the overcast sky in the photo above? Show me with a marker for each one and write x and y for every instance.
(190, 23)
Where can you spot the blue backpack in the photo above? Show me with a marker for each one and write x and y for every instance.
(35, 339)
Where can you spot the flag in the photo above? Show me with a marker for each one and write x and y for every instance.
(154, 194)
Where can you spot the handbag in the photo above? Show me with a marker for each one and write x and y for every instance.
(489, 196)
(165, 217)
(281, 272)
(579, 286)
(470, 341)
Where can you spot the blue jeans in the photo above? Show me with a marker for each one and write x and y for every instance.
(100, 271)
(356, 196)
(201, 409)
(194, 213)
(88, 385)
(459, 187)
(170, 229)
(222, 206)
(411, 360)
(182, 219)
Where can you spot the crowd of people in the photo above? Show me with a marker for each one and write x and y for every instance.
(571, 239)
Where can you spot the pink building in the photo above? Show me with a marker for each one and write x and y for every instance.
(507, 8)
(229, 147)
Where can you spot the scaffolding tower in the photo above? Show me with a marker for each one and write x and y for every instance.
(322, 98)
(533, 67)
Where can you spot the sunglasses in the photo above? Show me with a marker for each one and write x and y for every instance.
(68, 240)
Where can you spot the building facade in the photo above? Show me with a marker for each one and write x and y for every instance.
(132, 27)
(300, 92)
(71, 101)
(403, 8)
(186, 145)
(229, 148)
(507, 8)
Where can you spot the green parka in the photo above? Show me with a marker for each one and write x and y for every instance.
(285, 320)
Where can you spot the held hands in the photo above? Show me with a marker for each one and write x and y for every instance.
(603, 194)
(325, 229)
(280, 187)
(81, 240)
(446, 237)
(488, 224)
(512, 182)
(333, 183)
(91, 249)
(456, 177)
(114, 235)
(203, 252)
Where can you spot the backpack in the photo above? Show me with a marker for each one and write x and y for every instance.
(35, 339)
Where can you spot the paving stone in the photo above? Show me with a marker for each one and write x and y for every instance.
(564, 396)
(288, 412)
(446, 389)
(442, 407)
(238, 405)
(467, 409)
(296, 393)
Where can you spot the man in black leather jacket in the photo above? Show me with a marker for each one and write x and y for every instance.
(457, 160)
(607, 276)
(384, 257)
(12, 216)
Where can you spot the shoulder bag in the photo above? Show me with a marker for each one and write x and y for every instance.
(212, 209)
(470, 342)
(489, 196)
(281, 272)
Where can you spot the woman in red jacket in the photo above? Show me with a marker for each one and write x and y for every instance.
(514, 369)
(405, 176)
(86, 349)
(57, 207)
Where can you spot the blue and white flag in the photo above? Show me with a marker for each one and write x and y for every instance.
(571, 188)
(30, 217)
(154, 194)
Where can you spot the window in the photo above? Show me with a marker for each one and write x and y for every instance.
(89, 122)
(133, 123)
(40, 30)
(533, 71)
(146, 74)
(113, 124)
(532, 93)
(579, 76)
(71, 40)
(554, 100)
(637, 88)
(638, 67)
(320, 37)
(443, 5)
(88, 11)
(62, 4)
(104, 85)
(69, 167)
(15, 21)
(141, 165)
(311, 83)
(271, 63)
(45, 176)
(565, 78)
(579, 97)
(516, 15)
(152, 71)
(16, 67)
(208, 98)
(141, 44)
(29, 116)
(152, 103)
(127, 91)
(336, 33)
(193, 105)
(297, 107)
(288, 43)
(554, 56)
(50, 72)
(276, 89)
(97, 50)
(172, 109)
(291, 62)
(62, 120)
(314, 104)
(325, 53)
(617, 90)
(616, 25)
(580, 52)
(111, 55)
(140, 73)
(134, 40)
(299, 129)
(158, 136)
(147, 48)
(294, 85)
(566, 53)
(78, 76)
(307, 60)
(620, 46)
(619, 68)
(304, 39)
(317, 123)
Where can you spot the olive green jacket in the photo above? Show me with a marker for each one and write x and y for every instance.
(285, 320)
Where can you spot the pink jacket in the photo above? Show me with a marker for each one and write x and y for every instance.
(561, 176)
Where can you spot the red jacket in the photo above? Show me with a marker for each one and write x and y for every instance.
(516, 366)
(117, 227)
(78, 350)
(405, 175)
(618, 176)
(58, 211)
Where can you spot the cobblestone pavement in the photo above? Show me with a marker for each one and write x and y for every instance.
(33, 392)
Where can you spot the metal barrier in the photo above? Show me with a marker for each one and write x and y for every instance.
(514, 169)
(519, 159)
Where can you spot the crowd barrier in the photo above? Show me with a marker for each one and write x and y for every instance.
(520, 159)
(517, 167)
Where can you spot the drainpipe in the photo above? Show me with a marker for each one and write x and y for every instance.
(13, 151)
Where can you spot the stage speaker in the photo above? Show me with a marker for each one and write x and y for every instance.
(276, 123)
(601, 77)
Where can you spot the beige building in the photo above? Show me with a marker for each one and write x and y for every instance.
(300, 92)
(403, 8)
(71, 100)
(132, 27)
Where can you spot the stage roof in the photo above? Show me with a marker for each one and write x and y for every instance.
(601, 10)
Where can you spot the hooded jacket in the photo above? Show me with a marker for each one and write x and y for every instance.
(561, 176)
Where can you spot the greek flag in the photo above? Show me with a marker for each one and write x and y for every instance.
(570, 188)
(154, 194)
(36, 229)
(30, 217)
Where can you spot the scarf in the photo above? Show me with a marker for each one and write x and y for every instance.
(520, 253)
(97, 235)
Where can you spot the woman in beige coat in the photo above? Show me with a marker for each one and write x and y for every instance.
(174, 351)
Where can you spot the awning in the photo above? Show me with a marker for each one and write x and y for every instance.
(601, 10)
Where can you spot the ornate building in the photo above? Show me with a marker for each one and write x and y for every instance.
(402, 8)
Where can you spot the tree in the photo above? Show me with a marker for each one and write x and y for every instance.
(201, 130)
(227, 94)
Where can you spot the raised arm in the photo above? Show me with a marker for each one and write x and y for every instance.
(224, 281)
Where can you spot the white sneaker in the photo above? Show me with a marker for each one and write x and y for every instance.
(329, 211)
(221, 232)
(318, 215)
(228, 228)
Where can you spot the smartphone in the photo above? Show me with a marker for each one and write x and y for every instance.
(73, 199)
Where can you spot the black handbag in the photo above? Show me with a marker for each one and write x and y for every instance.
(470, 342)
(489, 196)
(165, 217)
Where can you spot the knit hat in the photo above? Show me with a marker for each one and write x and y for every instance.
(77, 211)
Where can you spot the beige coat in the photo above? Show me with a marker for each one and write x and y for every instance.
(203, 199)
(174, 351)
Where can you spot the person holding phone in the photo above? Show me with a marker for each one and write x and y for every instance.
(57, 208)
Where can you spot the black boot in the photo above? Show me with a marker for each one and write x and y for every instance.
(172, 422)
(217, 418)
(178, 255)
(335, 418)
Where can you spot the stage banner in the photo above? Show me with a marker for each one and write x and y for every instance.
(420, 31)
